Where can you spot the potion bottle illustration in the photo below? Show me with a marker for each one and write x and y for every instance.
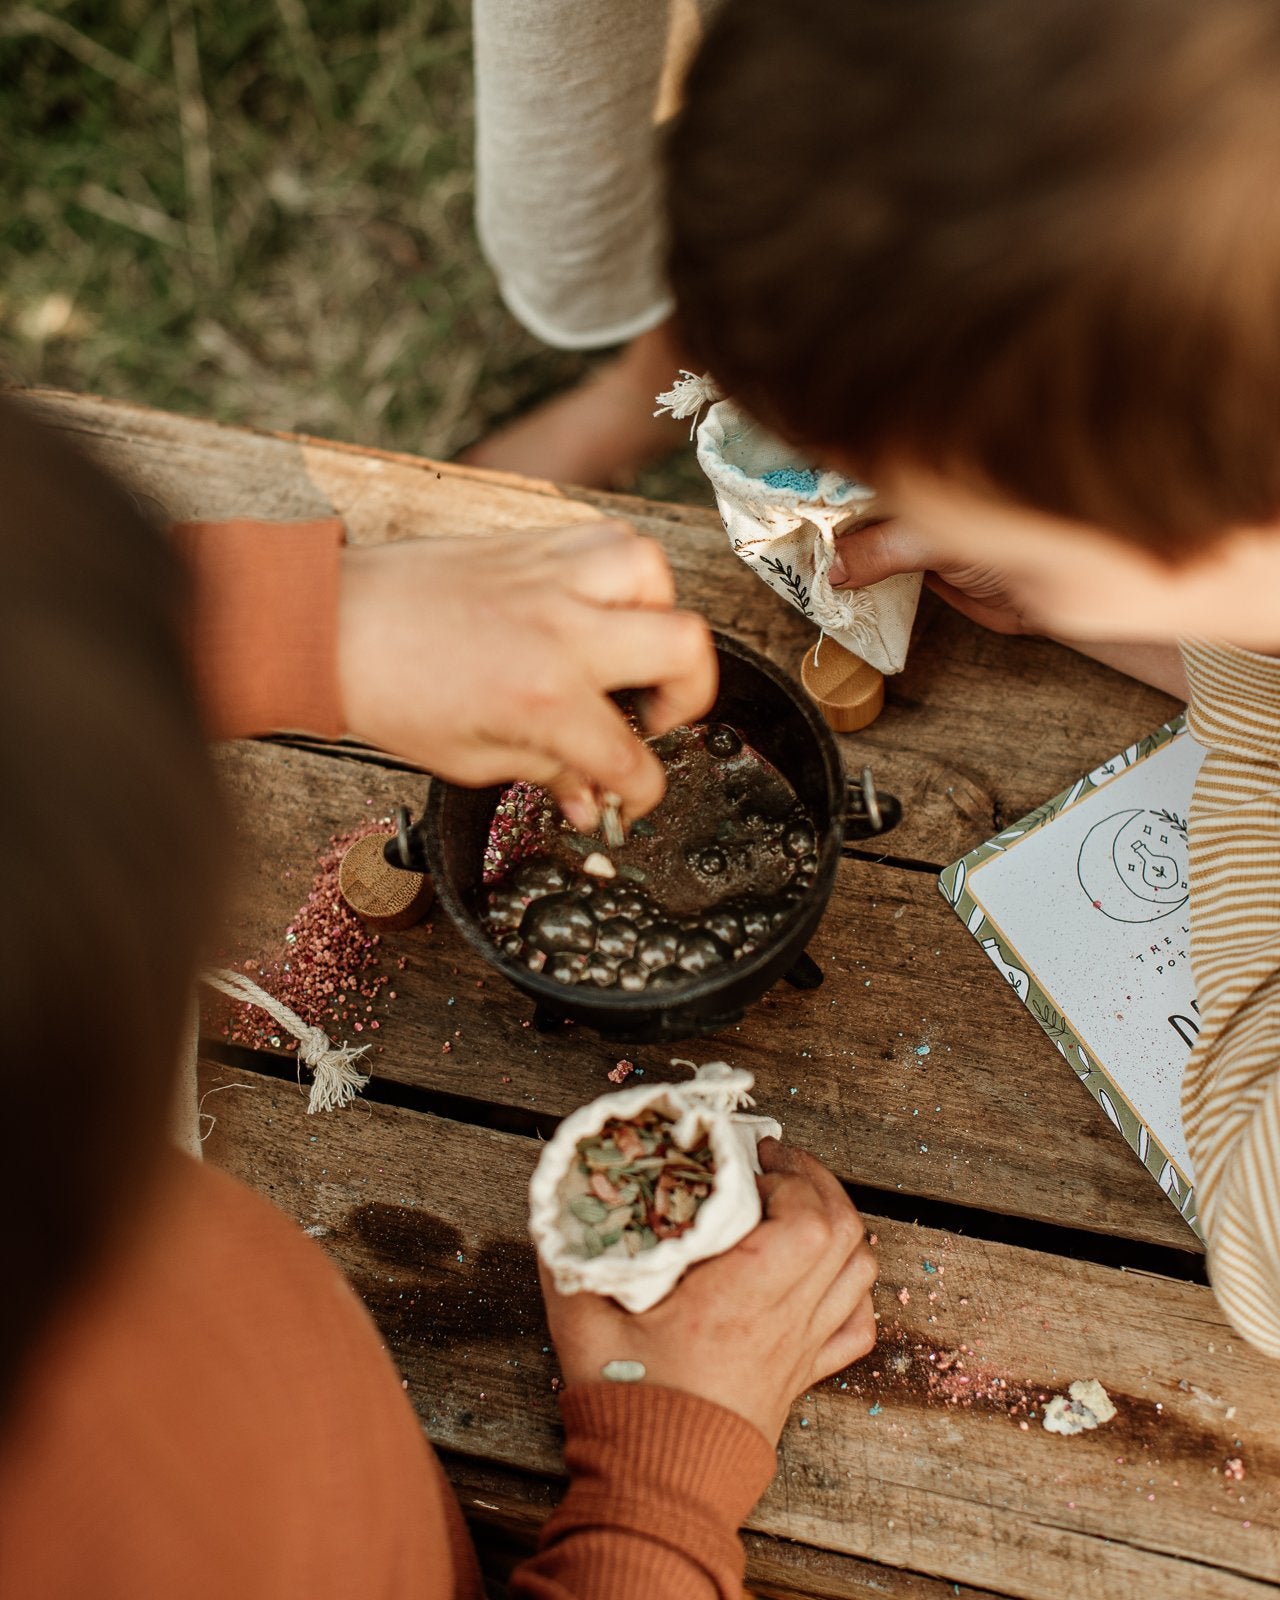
(1133, 865)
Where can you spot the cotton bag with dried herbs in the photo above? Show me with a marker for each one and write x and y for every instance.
(637, 1186)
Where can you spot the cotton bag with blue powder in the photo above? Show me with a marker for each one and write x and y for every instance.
(783, 518)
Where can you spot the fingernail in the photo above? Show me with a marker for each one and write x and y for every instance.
(582, 812)
(837, 573)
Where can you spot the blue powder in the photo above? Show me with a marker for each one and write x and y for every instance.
(800, 480)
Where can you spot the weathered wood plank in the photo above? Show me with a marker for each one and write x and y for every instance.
(991, 1117)
(978, 729)
(505, 1510)
(427, 1217)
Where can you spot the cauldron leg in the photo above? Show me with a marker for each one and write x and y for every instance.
(545, 1021)
(805, 973)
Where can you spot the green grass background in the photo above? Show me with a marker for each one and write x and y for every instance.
(260, 211)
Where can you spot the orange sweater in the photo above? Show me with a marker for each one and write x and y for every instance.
(214, 1414)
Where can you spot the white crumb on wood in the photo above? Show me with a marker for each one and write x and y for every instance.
(1089, 1406)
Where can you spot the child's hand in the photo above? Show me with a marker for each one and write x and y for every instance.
(490, 659)
(884, 549)
(755, 1327)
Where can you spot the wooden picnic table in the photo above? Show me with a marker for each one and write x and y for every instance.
(1021, 1244)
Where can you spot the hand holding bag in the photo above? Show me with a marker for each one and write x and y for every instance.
(709, 1104)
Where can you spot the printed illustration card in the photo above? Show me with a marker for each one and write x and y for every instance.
(1082, 908)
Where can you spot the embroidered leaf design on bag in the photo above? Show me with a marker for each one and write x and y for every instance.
(791, 581)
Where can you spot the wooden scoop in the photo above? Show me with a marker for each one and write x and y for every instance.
(383, 896)
(848, 692)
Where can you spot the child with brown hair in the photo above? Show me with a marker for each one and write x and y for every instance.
(1018, 266)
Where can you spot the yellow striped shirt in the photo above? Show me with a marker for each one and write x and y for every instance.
(1231, 1091)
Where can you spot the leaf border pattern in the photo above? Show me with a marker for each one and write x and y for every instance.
(953, 882)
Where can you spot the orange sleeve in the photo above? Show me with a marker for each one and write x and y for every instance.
(264, 625)
(215, 1415)
(660, 1482)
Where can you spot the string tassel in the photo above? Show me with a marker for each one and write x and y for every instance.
(687, 396)
(335, 1082)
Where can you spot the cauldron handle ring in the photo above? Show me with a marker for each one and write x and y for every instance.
(869, 811)
(405, 848)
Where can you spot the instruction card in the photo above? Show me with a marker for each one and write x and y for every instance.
(1082, 908)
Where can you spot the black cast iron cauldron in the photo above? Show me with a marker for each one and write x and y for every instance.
(775, 716)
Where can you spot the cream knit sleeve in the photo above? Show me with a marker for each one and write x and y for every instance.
(568, 203)
(1231, 1091)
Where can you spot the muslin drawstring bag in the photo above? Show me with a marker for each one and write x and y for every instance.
(710, 1103)
(783, 518)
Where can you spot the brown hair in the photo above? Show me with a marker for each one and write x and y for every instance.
(110, 824)
(1034, 244)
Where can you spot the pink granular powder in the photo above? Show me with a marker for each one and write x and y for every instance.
(959, 1378)
(521, 827)
(904, 1364)
(330, 972)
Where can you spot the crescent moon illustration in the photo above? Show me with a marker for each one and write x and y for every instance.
(1133, 866)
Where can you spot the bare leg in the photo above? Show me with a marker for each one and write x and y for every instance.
(600, 433)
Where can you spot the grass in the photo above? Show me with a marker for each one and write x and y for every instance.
(260, 211)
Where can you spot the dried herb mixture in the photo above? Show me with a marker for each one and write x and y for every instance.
(633, 1186)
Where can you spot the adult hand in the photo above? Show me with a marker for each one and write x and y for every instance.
(884, 549)
(491, 659)
(751, 1329)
